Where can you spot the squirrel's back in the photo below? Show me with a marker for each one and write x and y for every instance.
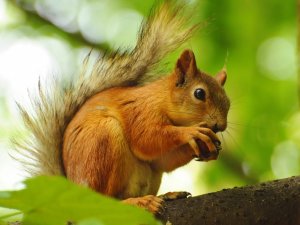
(55, 106)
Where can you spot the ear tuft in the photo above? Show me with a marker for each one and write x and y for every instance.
(221, 77)
(185, 66)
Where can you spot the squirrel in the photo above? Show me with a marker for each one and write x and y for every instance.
(107, 130)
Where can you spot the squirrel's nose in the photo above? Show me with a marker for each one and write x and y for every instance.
(215, 128)
(218, 127)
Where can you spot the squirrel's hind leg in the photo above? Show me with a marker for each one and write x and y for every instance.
(95, 155)
(152, 203)
(104, 162)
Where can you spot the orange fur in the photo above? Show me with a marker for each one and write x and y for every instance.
(118, 140)
(123, 139)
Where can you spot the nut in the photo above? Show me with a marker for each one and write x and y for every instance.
(204, 151)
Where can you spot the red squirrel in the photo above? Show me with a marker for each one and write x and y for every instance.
(117, 136)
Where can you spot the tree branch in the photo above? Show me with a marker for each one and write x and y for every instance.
(276, 202)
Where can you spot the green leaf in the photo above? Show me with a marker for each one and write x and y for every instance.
(54, 200)
(9, 215)
(91, 221)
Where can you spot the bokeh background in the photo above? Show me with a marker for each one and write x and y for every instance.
(255, 39)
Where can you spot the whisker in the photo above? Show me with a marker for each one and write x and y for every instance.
(223, 139)
(234, 128)
(233, 139)
(245, 125)
(234, 123)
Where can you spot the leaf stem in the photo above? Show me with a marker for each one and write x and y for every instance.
(10, 215)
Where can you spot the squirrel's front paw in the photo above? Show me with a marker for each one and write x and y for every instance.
(204, 142)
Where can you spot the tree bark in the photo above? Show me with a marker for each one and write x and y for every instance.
(275, 202)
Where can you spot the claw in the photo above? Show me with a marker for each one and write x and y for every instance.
(198, 159)
(175, 195)
(218, 145)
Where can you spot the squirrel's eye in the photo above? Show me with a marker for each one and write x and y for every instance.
(200, 94)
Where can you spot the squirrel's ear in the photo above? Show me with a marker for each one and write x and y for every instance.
(185, 66)
(221, 77)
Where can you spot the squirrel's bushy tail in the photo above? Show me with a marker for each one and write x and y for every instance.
(55, 105)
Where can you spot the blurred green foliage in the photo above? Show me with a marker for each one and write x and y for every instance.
(256, 40)
(55, 200)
